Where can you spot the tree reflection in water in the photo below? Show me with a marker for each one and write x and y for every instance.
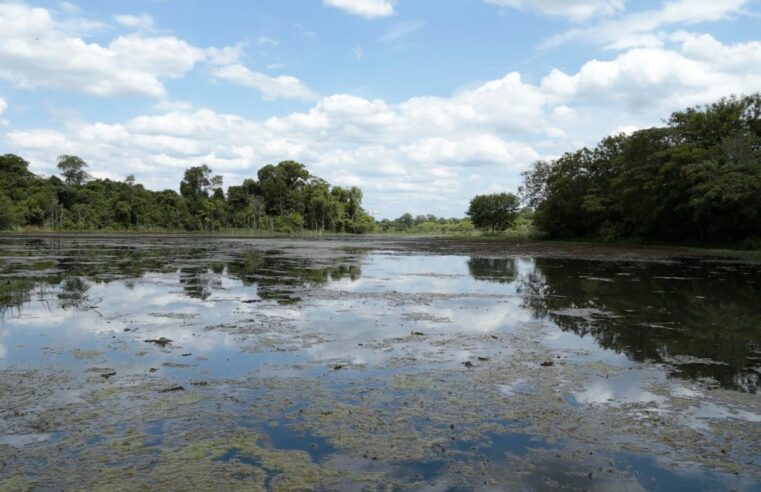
(501, 270)
(679, 312)
(64, 276)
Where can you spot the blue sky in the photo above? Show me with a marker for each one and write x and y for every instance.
(422, 103)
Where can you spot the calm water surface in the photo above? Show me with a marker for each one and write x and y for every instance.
(374, 364)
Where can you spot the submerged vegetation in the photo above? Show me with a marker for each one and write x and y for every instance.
(697, 179)
(374, 364)
(284, 198)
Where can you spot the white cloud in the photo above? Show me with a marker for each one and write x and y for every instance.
(39, 139)
(283, 86)
(229, 55)
(37, 50)
(159, 56)
(641, 28)
(365, 8)
(469, 151)
(358, 52)
(576, 10)
(739, 58)
(655, 79)
(3, 105)
(142, 22)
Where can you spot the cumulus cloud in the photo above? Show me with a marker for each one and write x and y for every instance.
(282, 86)
(37, 50)
(738, 58)
(655, 79)
(577, 10)
(642, 28)
(369, 9)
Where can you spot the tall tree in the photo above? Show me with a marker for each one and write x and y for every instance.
(495, 212)
(196, 182)
(73, 169)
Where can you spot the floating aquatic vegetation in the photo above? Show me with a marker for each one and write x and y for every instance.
(397, 368)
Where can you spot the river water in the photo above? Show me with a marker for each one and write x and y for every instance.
(375, 364)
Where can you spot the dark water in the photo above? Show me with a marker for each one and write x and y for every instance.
(306, 342)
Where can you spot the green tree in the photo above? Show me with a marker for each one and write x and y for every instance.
(8, 213)
(495, 212)
(286, 197)
(699, 178)
(282, 187)
(73, 169)
(406, 220)
(196, 183)
(13, 165)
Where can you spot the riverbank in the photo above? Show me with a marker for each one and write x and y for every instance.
(491, 243)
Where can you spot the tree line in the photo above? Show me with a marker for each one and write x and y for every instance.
(698, 178)
(284, 198)
(424, 224)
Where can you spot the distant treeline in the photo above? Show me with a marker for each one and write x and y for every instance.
(422, 224)
(696, 179)
(284, 197)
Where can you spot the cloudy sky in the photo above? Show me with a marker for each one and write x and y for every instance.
(422, 103)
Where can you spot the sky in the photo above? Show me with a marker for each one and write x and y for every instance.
(421, 103)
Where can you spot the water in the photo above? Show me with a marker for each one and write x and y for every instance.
(351, 364)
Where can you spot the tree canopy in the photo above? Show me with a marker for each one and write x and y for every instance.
(495, 212)
(73, 169)
(285, 197)
(696, 179)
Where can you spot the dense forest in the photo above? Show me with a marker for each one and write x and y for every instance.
(284, 198)
(696, 179)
